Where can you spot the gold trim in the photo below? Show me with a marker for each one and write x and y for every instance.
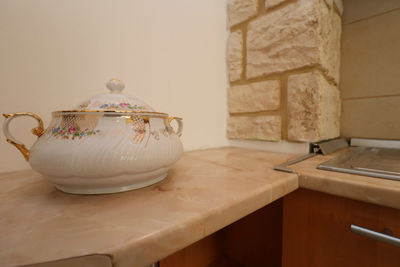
(144, 113)
(22, 148)
(38, 131)
(129, 120)
(174, 118)
(180, 125)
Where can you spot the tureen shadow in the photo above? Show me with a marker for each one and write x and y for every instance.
(109, 143)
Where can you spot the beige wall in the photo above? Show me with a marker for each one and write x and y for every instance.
(370, 70)
(171, 54)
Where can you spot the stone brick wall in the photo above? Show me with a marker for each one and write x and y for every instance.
(284, 59)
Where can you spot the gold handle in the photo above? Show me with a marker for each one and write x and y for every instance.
(180, 124)
(38, 131)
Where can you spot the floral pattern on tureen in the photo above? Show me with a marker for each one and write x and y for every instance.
(122, 106)
(73, 132)
(115, 100)
(110, 143)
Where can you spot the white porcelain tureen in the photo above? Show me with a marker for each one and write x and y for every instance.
(110, 143)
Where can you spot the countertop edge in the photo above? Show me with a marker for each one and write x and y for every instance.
(373, 194)
(371, 190)
(210, 224)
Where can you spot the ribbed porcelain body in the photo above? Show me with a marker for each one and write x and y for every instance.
(100, 152)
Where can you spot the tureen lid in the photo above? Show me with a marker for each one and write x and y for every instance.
(114, 101)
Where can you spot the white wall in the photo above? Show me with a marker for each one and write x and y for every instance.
(171, 54)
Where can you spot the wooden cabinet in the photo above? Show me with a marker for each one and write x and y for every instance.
(252, 241)
(305, 229)
(316, 232)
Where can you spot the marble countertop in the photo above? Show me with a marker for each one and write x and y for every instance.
(205, 191)
(368, 189)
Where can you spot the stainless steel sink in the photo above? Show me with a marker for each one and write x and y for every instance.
(380, 162)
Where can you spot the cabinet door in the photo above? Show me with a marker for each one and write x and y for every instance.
(316, 232)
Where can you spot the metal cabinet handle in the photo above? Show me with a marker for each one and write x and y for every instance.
(375, 235)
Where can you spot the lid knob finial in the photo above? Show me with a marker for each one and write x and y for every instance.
(115, 85)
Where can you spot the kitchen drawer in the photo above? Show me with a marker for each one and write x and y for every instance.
(316, 232)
